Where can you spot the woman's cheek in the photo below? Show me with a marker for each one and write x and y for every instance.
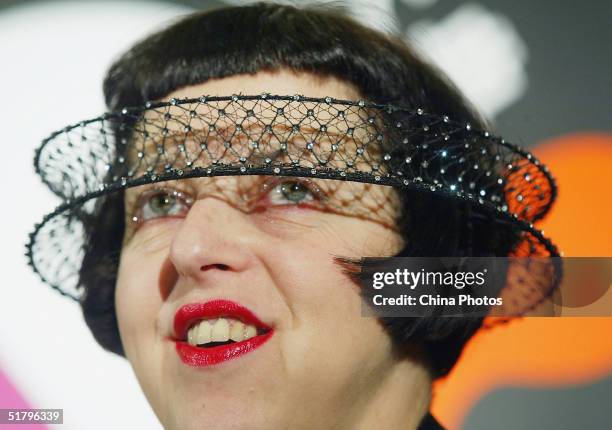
(135, 303)
(150, 237)
(125, 318)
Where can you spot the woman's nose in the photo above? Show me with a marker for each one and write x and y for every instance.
(214, 236)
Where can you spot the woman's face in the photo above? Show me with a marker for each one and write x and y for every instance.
(282, 340)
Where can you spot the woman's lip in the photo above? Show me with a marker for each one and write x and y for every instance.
(202, 357)
(188, 314)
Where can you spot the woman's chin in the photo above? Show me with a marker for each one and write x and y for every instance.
(232, 394)
(213, 412)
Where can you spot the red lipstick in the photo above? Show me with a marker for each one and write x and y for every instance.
(197, 356)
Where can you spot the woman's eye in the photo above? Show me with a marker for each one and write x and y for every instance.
(291, 192)
(162, 203)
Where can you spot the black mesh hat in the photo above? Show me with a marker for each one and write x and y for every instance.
(334, 144)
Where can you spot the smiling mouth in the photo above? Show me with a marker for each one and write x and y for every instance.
(216, 331)
(209, 333)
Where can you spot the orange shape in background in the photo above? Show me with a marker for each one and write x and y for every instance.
(547, 352)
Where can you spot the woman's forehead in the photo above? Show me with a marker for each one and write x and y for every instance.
(281, 81)
(308, 134)
(251, 133)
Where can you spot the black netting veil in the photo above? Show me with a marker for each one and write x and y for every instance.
(344, 147)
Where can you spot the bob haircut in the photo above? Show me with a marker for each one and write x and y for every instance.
(323, 41)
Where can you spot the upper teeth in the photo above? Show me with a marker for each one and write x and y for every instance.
(220, 330)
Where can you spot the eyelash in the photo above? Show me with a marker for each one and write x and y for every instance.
(272, 184)
(147, 195)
